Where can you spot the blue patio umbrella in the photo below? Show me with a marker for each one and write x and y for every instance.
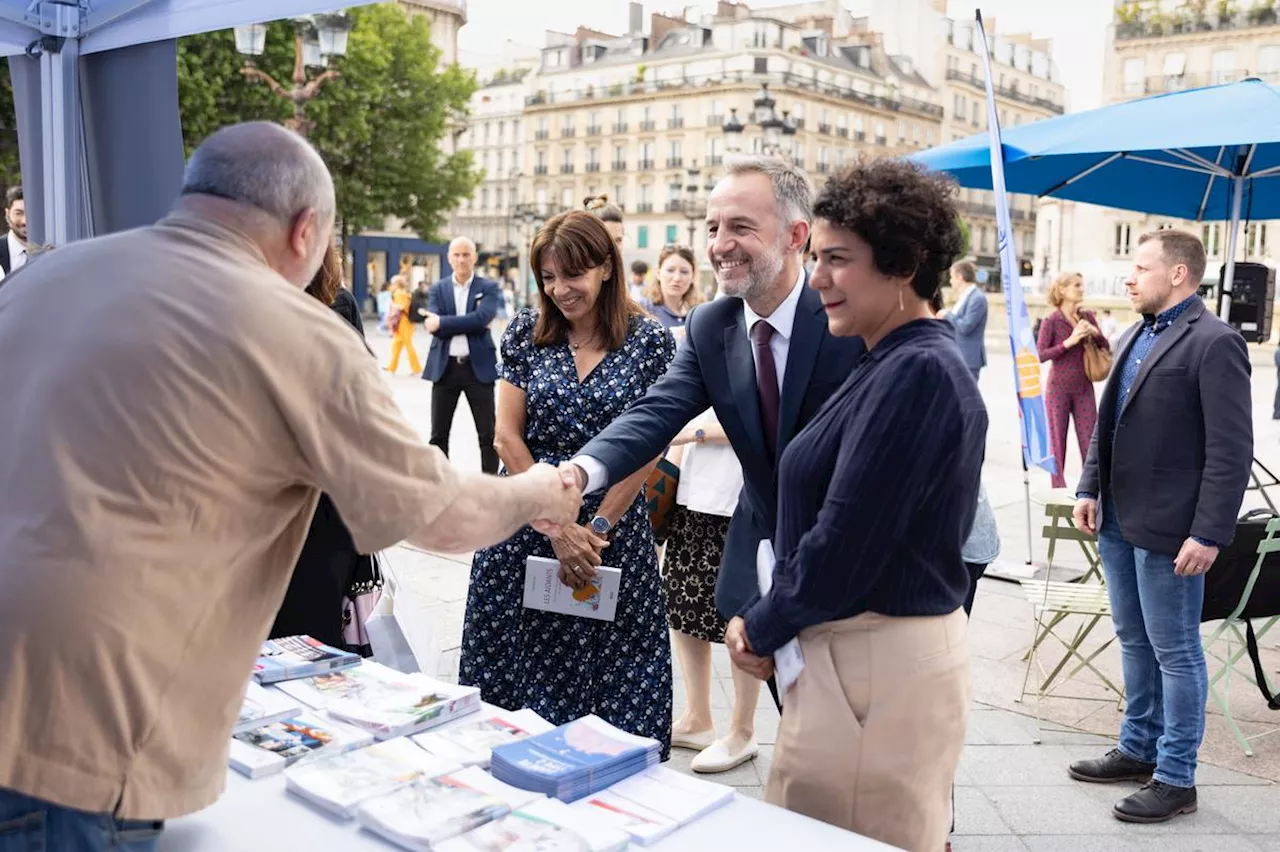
(1202, 154)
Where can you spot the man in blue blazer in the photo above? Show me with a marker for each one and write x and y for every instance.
(969, 315)
(763, 360)
(462, 359)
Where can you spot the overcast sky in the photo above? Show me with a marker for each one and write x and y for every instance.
(1077, 28)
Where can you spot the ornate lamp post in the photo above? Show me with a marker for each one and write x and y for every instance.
(316, 39)
(531, 218)
(777, 132)
(694, 205)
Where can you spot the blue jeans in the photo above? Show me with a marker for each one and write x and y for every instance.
(1166, 681)
(32, 825)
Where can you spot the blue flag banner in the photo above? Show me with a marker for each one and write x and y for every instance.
(1026, 361)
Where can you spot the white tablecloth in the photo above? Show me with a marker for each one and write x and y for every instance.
(260, 816)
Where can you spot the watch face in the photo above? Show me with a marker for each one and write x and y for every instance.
(600, 525)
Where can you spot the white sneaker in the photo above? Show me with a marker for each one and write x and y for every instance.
(718, 757)
(696, 740)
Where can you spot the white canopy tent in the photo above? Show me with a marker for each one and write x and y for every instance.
(95, 91)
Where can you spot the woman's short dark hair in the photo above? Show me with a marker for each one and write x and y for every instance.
(905, 213)
(328, 278)
(577, 241)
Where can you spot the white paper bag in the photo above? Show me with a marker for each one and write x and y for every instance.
(788, 661)
(387, 638)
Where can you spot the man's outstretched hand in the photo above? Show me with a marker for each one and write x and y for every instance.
(557, 497)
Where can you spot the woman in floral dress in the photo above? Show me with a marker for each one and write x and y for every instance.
(567, 372)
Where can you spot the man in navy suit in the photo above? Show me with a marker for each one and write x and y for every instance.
(462, 359)
(762, 359)
(969, 315)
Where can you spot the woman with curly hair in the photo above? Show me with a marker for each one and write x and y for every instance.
(876, 497)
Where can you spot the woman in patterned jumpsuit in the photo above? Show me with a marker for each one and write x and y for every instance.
(1070, 393)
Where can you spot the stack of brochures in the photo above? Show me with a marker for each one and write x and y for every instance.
(429, 811)
(339, 784)
(268, 749)
(547, 825)
(383, 701)
(472, 743)
(299, 656)
(651, 805)
(263, 705)
(574, 760)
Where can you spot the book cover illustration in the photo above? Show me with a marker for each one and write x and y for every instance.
(517, 833)
(643, 824)
(341, 782)
(543, 590)
(428, 811)
(581, 744)
(262, 706)
(298, 656)
(473, 743)
(269, 748)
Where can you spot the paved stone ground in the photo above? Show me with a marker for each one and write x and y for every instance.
(1012, 794)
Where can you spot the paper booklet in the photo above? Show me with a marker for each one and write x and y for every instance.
(263, 705)
(547, 825)
(645, 826)
(338, 784)
(543, 590)
(428, 811)
(299, 656)
(788, 661)
(268, 749)
(472, 743)
(384, 701)
(672, 794)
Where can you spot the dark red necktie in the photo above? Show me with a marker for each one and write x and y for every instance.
(766, 382)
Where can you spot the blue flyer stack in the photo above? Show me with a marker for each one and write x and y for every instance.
(574, 760)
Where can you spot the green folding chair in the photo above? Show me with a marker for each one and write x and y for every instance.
(1231, 632)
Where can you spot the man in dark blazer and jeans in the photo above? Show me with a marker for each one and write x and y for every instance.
(462, 358)
(763, 360)
(1162, 486)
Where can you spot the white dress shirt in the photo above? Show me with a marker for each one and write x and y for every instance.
(783, 320)
(459, 347)
(17, 253)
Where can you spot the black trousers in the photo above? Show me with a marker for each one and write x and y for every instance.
(459, 379)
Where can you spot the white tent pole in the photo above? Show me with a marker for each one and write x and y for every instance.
(1233, 237)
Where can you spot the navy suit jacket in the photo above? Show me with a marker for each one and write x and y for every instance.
(472, 319)
(1178, 462)
(714, 368)
(970, 322)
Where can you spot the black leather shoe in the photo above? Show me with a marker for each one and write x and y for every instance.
(1115, 766)
(1156, 802)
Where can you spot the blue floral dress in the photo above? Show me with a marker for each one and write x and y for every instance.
(564, 667)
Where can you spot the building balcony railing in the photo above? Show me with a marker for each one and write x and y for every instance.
(842, 132)
(974, 208)
(645, 165)
(824, 128)
(540, 135)
(882, 140)
(644, 207)
(619, 127)
(1013, 93)
(567, 132)
(675, 123)
(539, 170)
(823, 168)
(715, 160)
(675, 162)
(647, 126)
(715, 120)
(1184, 21)
(593, 167)
(799, 161)
(619, 165)
(593, 130)
(674, 206)
(566, 168)
(1162, 83)
(860, 136)
(883, 100)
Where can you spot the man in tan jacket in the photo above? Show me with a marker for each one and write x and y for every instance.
(166, 443)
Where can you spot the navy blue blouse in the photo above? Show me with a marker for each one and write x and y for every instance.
(877, 494)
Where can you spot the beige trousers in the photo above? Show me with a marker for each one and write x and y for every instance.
(872, 731)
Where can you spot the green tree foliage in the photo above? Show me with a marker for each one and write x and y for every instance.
(10, 170)
(382, 126)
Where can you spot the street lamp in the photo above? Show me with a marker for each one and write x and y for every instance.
(316, 39)
(694, 207)
(531, 217)
(777, 132)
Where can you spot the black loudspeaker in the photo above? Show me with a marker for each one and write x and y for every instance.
(1253, 292)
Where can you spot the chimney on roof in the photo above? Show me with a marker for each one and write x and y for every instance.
(635, 18)
(660, 25)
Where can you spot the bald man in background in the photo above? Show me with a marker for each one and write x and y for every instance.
(462, 359)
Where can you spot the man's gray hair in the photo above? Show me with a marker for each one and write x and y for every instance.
(791, 186)
(264, 166)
